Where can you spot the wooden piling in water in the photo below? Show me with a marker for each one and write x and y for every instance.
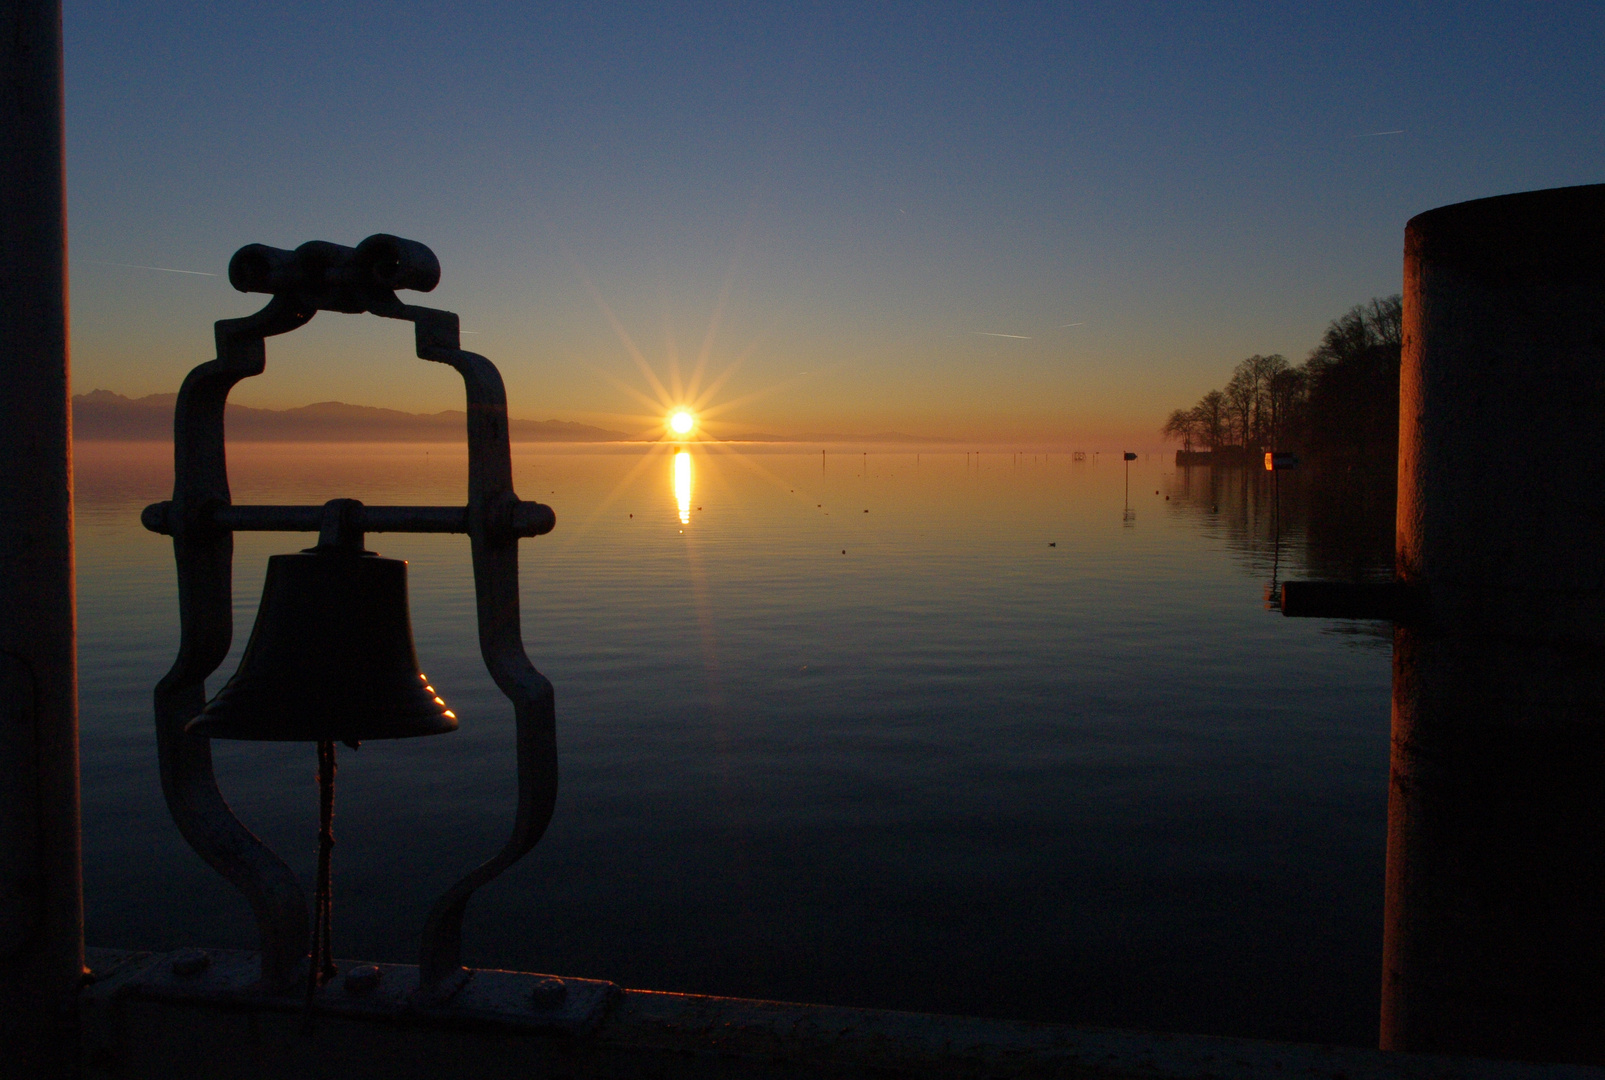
(1494, 940)
(41, 888)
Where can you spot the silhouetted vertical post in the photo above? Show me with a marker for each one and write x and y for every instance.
(41, 892)
(1495, 925)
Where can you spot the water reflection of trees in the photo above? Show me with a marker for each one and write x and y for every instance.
(1335, 522)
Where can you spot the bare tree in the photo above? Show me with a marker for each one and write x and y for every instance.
(1386, 318)
(1264, 371)
(1354, 382)
(1242, 398)
(1345, 396)
(1285, 392)
(1214, 426)
(1183, 425)
(1364, 327)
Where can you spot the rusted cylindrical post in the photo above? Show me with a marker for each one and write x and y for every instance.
(1495, 925)
(41, 894)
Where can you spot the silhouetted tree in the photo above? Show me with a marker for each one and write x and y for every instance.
(1268, 370)
(1285, 391)
(1213, 423)
(1353, 407)
(1258, 398)
(1182, 424)
(1242, 393)
(1343, 401)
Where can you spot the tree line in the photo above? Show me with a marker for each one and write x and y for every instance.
(1342, 401)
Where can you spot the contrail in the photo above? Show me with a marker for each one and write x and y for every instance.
(1017, 337)
(1062, 325)
(1373, 134)
(138, 266)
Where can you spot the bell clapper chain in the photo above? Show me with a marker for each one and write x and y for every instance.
(320, 961)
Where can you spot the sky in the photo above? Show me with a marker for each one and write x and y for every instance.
(1000, 222)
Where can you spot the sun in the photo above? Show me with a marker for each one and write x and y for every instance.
(679, 411)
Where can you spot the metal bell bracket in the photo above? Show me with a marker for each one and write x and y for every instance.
(202, 520)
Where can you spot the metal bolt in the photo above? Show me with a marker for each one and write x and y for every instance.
(361, 979)
(188, 963)
(548, 992)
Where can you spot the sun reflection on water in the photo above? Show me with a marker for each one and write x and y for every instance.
(682, 484)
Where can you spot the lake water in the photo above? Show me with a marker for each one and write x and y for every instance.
(987, 748)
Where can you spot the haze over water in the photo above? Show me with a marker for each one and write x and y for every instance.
(986, 749)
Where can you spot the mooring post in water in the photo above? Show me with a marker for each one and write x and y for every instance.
(41, 889)
(1495, 925)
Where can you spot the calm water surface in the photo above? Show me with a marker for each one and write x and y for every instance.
(986, 748)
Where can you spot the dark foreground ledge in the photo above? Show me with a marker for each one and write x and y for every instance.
(153, 1015)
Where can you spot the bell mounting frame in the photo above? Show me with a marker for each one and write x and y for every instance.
(202, 520)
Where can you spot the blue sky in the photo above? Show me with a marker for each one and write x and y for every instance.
(851, 200)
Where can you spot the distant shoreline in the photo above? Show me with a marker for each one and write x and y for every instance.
(106, 416)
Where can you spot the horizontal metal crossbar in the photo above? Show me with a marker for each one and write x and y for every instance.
(524, 518)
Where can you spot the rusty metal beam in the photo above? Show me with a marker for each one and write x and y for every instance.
(41, 887)
(522, 519)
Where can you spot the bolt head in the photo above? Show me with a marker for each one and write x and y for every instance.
(361, 979)
(548, 992)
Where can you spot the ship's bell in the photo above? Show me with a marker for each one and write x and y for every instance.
(331, 657)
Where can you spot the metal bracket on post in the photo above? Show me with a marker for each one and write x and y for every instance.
(516, 1002)
(202, 519)
(1388, 601)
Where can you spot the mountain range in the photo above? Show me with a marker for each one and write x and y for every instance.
(102, 414)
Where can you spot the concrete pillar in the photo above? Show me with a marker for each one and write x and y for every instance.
(1495, 926)
(41, 893)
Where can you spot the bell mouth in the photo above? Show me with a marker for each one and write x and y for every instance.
(330, 658)
(289, 724)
